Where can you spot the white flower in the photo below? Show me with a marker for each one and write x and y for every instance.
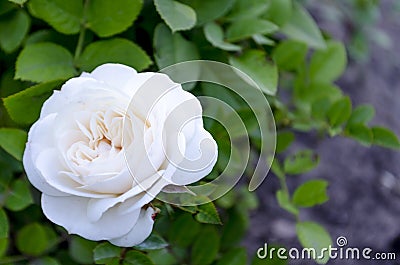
(98, 171)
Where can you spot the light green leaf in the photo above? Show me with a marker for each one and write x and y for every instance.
(3, 224)
(339, 112)
(43, 62)
(244, 9)
(32, 239)
(134, 257)
(245, 28)
(24, 107)
(13, 141)
(327, 65)
(177, 15)
(302, 27)
(13, 29)
(81, 250)
(215, 35)
(183, 230)
(105, 252)
(285, 203)
(254, 64)
(162, 257)
(209, 10)
(283, 141)
(64, 16)
(154, 241)
(279, 11)
(19, 2)
(314, 236)
(362, 114)
(116, 50)
(236, 256)
(262, 40)
(107, 18)
(205, 247)
(361, 133)
(301, 162)
(311, 193)
(208, 214)
(19, 196)
(290, 54)
(384, 137)
(3, 246)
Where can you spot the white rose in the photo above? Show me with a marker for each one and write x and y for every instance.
(77, 155)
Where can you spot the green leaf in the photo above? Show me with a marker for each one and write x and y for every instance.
(236, 256)
(283, 141)
(134, 257)
(183, 230)
(3, 224)
(311, 193)
(116, 50)
(206, 246)
(43, 62)
(362, 114)
(107, 18)
(13, 29)
(302, 27)
(385, 138)
(20, 196)
(172, 48)
(32, 239)
(248, 200)
(105, 252)
(255, 65)
(81, 250)
(327, 65)
(13, 141)
(279, 11)
(262, 40)
(285, 203)
(274, 260)
(209, 10)
(208, 214)
(3, 246)
(154, 241)
(242, 29)
(45, 261)
(247, 9)
(178, 16)
(339, 112)
(234, 228)
(63, 16)
(215, 35)
(361, 133)
(290, 54)
(312, 235)
(301, 162)
(19, 2)
(24, 107)
(227, 200)
(162, 257)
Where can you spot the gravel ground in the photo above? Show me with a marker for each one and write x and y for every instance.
(364, 189)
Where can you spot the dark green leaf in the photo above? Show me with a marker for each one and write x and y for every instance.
(13, 29)
(311, 193)
(215, 35)
(81, 250)
(327, 65)
(105, 252)
(227, 200)
(3, 224)
(20, 196)
(248, 200)
(3, 246)
(361, 133)
(290, 54)
(384, 137)
(285, 203)
(183, 230)
(154, 241)
(107, 18)
(255, 65)
(236, 256)
(134, 257)
(178, 16)
(43, 62)
(162, 257)
(64, 16)
(13, 141)
(283, 141)
(314, 236)
(205, 247)
(234, 228)
(114, 51)
(24, 107)
(209, 10)
(265, 250)
(339, 112)
(302, 27)
(300, 162)
(45, 261)
(243, 29)
(32, 239)
(208, 214)
(362, 114)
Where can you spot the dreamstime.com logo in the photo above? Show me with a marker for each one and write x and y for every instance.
(341, 251)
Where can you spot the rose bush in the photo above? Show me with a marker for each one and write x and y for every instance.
(88, 133)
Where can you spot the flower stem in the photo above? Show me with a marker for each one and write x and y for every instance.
(81, 39)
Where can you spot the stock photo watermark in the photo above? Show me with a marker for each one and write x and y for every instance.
(341, 252)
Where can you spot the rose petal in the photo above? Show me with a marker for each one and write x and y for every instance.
(117, 184)
(139, 232)
(71, 213)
